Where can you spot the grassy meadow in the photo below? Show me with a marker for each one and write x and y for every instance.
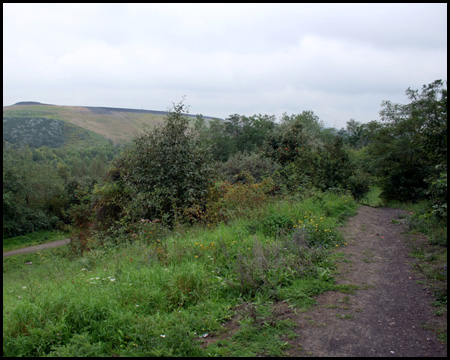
(167, 292)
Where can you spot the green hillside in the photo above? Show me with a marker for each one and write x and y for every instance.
(24, 121)
(43, 131)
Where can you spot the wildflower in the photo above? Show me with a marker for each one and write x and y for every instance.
(163, 336)
(112, 279)
(24, 287)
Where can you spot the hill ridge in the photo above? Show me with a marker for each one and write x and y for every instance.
(107, 109)
(119, 125)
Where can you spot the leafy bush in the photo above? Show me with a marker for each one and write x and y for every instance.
(254, 164)
(276, 223)
(359, 184)
(165, 170)
(438, 194)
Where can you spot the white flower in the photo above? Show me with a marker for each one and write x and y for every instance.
(163, 336)
(24, 287)
(112, 279)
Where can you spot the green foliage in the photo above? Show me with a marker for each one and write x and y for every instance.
(437, 192)
(334, 166)
(159, 295)
(357, 135)
(255, 164)
(37, 131)
(39, 184)
(359, 184)
(410, 150)
(33, 131)
(274, 224)
(237, 134)
(309, 156)
(166, 170)
(33, 196)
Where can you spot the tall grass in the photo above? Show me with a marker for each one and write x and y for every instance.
(160, 297)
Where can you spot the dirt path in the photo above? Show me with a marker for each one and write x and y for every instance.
(387, 314)
(35, 248)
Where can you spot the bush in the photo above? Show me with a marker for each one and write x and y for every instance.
(274, 224)
(165, 170)
(254, 164)
(438, 194)
(359, 184)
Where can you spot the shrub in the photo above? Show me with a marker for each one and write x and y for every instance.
(276, 223)
(359, 184)
(253, 164)
(166, 170)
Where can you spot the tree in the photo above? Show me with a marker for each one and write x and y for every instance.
(165, 170)
(409, 151)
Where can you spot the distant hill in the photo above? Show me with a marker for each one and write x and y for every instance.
(54, 125)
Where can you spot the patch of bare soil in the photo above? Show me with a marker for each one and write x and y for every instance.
(390, 313)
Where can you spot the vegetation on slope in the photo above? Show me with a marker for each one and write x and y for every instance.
(171, 234)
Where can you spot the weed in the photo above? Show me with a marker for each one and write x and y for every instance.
(346, 316)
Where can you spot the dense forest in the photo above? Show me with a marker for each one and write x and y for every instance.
(191, 171)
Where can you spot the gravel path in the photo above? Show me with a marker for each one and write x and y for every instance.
(35, 248)
(389, 315)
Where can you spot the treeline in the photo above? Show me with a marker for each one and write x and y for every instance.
(40, 185)
(188, 171)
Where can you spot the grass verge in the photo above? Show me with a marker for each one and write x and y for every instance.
(163, 297)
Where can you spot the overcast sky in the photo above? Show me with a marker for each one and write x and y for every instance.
(338, 60)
